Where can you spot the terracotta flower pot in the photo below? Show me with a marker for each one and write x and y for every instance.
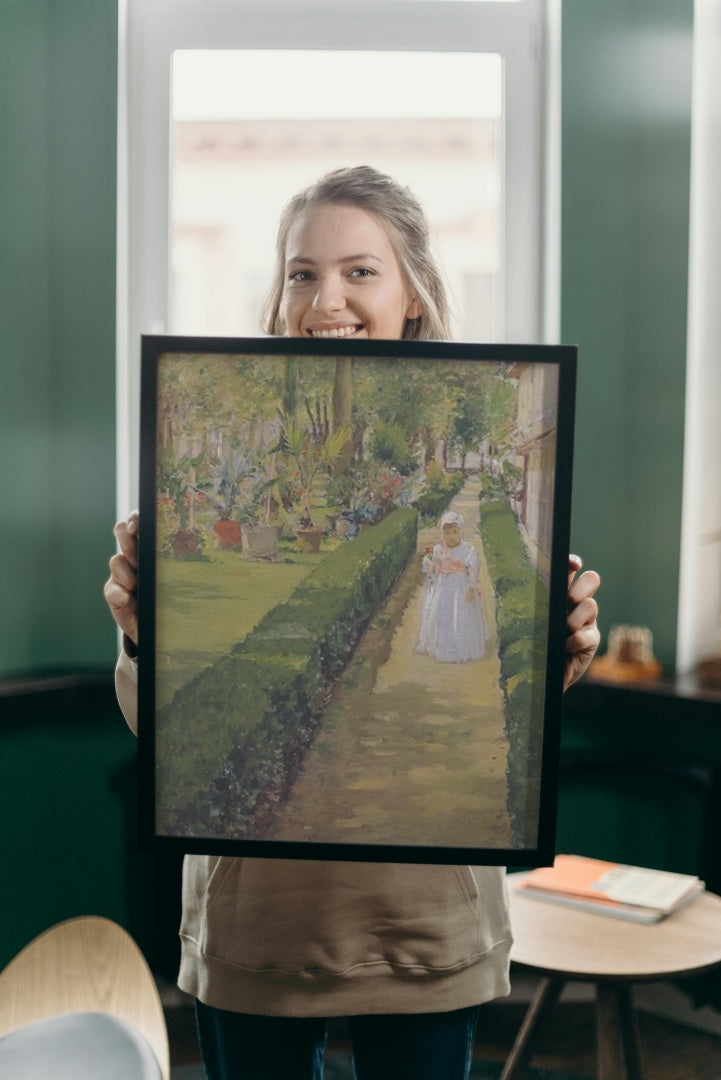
(229, 534)
(309, 539)
(261, 541)
(185, 544)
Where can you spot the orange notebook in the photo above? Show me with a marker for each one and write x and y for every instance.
(631, 892)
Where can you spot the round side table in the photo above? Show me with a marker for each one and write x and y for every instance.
(563, 944)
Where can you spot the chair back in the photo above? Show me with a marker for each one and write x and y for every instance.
(87, 964)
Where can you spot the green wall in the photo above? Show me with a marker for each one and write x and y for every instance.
(626, 138)
(58, 74)
(625, 200)
(68, 799)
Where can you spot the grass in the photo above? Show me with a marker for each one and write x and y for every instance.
(205, 607)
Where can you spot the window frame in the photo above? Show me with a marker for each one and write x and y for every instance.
(525, 34)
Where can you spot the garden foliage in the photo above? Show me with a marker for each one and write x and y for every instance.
(438, 494)
(235, 736)
(521, 618)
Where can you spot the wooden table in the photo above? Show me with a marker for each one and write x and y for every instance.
(563, 944)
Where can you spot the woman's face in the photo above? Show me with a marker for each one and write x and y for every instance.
(451, 535)
(342, 277)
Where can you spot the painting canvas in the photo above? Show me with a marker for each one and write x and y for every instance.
(352, 595)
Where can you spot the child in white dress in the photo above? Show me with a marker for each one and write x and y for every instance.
(452, 628)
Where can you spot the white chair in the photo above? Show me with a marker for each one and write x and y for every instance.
(80, 1002)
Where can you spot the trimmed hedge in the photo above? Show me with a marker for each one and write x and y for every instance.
(231, 741)
(521, 609)
(431, 504)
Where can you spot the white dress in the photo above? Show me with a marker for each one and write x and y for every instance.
(452, 628)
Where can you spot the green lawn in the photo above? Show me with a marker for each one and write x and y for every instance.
(206, 607)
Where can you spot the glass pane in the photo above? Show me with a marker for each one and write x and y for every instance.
(467, 1)
(250, 128)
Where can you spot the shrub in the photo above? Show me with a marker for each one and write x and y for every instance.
(231, 741)
(389, 445)
(434, 500)
(521, 610)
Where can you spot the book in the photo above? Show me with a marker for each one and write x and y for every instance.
(608, 888)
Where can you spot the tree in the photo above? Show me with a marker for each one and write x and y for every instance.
(310, 458)
(342, 407)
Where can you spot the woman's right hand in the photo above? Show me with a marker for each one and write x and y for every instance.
(121, 587)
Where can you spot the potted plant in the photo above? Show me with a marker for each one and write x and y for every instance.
(225, 492)
(227, 529)
(345, 491)
(309, 458)
(176, 482)
(262, 510)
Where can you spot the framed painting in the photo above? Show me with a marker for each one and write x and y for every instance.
(352, 597)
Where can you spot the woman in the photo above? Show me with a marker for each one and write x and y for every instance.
(271, 948)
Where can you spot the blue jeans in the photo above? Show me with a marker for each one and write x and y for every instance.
(416, 1046)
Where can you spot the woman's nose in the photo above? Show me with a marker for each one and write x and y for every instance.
(329, 296)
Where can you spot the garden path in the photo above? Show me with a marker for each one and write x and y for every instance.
(410, 750)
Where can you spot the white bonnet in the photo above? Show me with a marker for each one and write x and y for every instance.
(452, 518)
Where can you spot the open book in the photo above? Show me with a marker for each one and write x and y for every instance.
(608, 888)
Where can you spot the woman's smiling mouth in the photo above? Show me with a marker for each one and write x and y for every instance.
(334, 331)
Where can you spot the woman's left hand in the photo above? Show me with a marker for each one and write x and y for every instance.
(583, 635)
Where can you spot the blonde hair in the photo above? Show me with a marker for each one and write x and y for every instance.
(402, 216)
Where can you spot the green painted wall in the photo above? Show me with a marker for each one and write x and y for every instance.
(68, 800)
(58, 72)
(641, 781)
(625, 167)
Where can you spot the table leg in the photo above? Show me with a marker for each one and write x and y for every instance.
(617, 1033)
(545, 997)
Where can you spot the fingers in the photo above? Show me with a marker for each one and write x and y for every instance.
(583, 587)
(582, 613)
(575, 563)
(582, 607)
(123, 573)
(123, 607)
(584, 641)
(121, 587)
(582, 634)
(126, 533)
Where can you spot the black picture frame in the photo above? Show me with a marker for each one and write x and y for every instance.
(392, 696)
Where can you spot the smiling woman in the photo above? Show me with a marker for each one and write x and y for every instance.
(353, 259)
(331, 292)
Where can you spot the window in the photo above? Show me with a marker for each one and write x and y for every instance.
(235, 161)
(699, 623)
(227, 107)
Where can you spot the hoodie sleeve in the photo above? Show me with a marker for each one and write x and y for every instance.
(126, 688)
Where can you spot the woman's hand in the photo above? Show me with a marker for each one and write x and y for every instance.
(583, 635)
(121, 587)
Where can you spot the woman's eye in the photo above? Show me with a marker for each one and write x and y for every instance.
(362, 272)
(300, 276)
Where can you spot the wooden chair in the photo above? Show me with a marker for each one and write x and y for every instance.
(83, 973)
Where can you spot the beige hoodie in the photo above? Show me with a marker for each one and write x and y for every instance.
(286, 937)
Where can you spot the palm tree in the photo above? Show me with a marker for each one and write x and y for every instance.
(310, 457)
